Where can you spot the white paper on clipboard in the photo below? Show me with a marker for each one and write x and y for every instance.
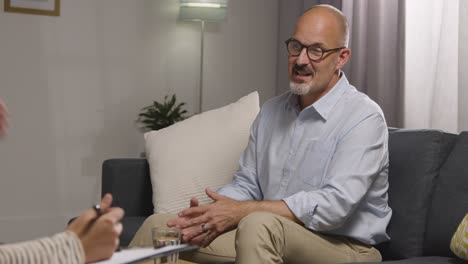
(139, 254)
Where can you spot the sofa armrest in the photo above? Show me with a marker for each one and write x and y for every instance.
(130, 185)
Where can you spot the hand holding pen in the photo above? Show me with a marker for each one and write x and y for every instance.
(99, 229)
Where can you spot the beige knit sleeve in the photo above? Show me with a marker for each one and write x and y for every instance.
(63, 247)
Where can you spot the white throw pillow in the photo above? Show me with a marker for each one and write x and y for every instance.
(201, 151)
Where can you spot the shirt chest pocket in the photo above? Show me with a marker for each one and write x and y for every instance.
(315, 160)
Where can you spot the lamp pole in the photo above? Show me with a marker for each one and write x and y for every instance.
(200, 93)
(202, 11)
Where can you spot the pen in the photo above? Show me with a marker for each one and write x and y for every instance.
(98, 209)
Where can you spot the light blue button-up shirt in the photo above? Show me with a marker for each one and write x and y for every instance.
(328, 163)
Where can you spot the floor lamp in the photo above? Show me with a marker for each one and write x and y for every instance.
(202, 11)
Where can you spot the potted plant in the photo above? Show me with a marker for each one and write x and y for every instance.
(160, 115)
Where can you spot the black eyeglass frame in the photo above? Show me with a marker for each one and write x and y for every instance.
(324, 51)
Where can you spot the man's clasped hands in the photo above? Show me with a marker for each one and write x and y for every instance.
(201, 224)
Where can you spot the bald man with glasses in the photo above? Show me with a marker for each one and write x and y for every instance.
(312, 183)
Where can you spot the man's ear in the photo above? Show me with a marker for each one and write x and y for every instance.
(343, 58)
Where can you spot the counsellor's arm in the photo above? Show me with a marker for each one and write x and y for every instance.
(87, 239)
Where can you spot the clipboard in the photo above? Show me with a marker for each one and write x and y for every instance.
(134, 255)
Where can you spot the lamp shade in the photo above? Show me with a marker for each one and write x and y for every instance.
(205, 10)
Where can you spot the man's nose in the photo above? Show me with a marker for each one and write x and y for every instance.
(303, 58)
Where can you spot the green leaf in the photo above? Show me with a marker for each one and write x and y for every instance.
(159, 115)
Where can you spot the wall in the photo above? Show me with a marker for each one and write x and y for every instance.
(75, 83)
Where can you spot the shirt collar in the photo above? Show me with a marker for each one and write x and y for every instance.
(324, 105)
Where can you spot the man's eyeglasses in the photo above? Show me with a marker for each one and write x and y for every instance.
(314, 52)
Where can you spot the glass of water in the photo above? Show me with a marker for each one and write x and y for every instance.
(166, 236)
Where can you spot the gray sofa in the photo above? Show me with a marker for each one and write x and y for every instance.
(428, 194)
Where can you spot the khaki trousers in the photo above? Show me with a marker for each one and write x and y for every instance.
(264, 237)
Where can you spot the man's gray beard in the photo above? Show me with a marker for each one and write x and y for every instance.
(299, 88)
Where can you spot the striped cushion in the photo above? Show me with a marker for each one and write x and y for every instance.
(199, 152)
(459, 244)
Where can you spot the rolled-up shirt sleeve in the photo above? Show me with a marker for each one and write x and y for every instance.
(64, 247)
(244, 185)
(360, 156)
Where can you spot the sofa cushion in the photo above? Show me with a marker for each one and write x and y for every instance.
(450, 202)
(415, 159)
(199, 152)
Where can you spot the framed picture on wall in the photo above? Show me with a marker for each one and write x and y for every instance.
(35, 7)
